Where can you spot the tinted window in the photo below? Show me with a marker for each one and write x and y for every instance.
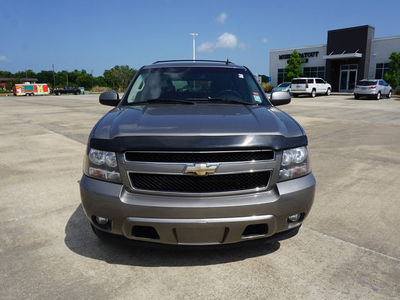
(310, 80)
(182, 83)
(367, 83)
(319, 80)
(298, 81)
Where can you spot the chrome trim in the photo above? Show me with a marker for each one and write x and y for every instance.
(178, 168)
(201, 169)
(218, 152)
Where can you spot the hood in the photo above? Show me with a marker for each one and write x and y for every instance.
(201, 126)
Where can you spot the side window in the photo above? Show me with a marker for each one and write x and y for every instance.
(310, 80)
(320, 81)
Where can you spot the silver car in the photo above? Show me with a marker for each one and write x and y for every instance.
(195, 154)
(372, 88)
(284, 87)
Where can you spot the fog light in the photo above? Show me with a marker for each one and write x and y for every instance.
(294, 218)
(101, 220)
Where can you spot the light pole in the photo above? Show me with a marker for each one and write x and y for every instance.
(54, 78)
(194, 45)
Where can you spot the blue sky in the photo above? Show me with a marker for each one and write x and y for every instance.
(97, 35)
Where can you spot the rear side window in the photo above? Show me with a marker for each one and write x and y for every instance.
(310, 80)
(299, 81)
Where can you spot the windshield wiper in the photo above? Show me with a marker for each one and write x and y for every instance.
(162, 100)
(220, 99)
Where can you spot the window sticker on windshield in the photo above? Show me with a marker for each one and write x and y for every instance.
(241, 76)
(257, 97)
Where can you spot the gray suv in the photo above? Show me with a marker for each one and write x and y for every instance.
(372, 88)
(195, 154)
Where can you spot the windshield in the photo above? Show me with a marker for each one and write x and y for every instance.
(284, 84)
(195, 83)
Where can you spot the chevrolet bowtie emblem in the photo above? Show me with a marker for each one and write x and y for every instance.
(201, 169)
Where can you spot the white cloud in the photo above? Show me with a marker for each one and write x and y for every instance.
(3, 58)
(222, 18)
(225, 41)
(206, 47)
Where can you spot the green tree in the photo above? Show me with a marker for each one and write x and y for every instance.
(25, 74)
(119, 76)
(110, 82)
(5, 74)
(46, 77)
(100, 81)
(61, 79)
(393, 76)
(85, 80)
(264, 78)
(293, 69)
(73, 77)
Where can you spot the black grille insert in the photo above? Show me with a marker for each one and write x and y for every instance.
(199, 184)
(193, 157)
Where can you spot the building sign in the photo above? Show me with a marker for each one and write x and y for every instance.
(302, 55)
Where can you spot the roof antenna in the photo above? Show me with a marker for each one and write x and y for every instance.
(227, 61)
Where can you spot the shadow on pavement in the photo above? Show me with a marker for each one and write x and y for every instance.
(80, 238)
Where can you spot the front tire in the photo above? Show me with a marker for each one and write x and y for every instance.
(328, 92)
(389, 95)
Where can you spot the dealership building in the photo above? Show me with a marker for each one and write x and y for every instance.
(350, 54)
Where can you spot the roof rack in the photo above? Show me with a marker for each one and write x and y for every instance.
(227, 62)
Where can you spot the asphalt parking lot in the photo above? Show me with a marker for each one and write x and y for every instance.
(348, 248)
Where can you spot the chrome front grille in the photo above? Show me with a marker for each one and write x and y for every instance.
(200, 184)
(167, 172)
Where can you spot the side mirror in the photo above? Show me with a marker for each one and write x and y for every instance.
(110, 98)
(280, 98)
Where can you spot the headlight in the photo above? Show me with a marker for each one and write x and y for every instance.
(102, 165)
(295, 163)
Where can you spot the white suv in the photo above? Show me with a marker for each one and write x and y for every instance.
(310, 86)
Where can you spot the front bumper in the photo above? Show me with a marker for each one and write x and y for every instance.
(197, 220)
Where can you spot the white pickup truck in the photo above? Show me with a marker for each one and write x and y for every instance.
(309, 86)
